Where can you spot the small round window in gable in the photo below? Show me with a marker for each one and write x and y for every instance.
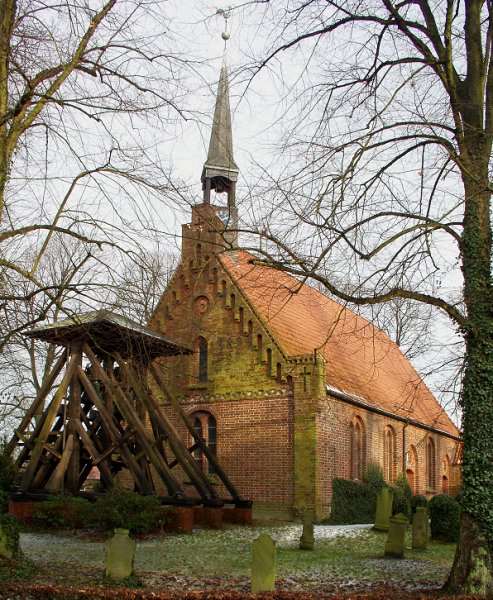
(201, 305)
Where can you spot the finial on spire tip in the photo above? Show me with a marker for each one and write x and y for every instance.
(226, 13)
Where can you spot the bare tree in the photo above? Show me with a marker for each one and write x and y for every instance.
(88, 90)
(139, 284)
(75, 79)
(384, 177)
(67, 276)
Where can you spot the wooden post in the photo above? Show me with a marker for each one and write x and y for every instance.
(46, 428)
(73, 467)
(40, 397)
(128, 412)
(115, 435)
(196, 436)
(165, 427)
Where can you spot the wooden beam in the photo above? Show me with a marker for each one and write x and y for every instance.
(218, 470)
(74, 408)
(94, 454)
(48, 463)
(178, 447)
(56, 480)
(49, 448)
(23, 439)
(107, 452)
(114, 435)
(40, 397)
(130, 415)
(50, 415)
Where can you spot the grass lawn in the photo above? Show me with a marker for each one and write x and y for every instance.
(347, 559)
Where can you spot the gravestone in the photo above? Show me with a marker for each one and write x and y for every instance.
(420, 528)
(5, 546)
(384, 509)
(120, 552)
(9, 537)
(263, 564)
(395, 539)
(307, 541)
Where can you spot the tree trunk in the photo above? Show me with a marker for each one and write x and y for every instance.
(7, 13)
(472, 571)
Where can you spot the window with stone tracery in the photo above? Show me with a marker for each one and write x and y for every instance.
(430, 464)
(205, 424)
(389, 458)
(203, 359)
(357, 449)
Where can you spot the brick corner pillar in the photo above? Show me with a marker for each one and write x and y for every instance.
(309, 391)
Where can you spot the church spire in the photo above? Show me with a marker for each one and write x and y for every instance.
(220, 172)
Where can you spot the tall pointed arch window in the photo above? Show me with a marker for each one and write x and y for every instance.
(412, 468)
(430, 464)
(389, 458)
(445, 474)
(203, 359)
(357, 448)
(205, 424)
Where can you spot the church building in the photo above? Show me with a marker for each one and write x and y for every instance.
(289, 388)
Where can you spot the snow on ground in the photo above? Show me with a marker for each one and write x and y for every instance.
(289, 535)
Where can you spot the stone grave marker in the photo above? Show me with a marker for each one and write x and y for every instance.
(420, 528)
(307, 540)
(263, 564)
(384, 509)
(120, 552)
(5, 550)
(395, 539)
(9, 537)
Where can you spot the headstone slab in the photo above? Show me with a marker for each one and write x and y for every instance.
(420, 528)
(395, 539)
(5, 549)
(120, 552)
(384, 509)
(307, 539)
(263, 564)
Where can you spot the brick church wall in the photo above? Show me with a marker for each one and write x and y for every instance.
(279, 438)
(335, 417)
(255, 447)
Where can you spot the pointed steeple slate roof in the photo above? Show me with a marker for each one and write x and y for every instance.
(220, 161)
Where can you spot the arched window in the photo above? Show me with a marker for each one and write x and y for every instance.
(259, 348)
(357, 448)
(205, 424)
(389, 458)
(269, 362)
(412, 468)
(250, 329)
(203, 359)
(430, 464)
(445, 475)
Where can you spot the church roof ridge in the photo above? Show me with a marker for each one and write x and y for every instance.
(361, 359)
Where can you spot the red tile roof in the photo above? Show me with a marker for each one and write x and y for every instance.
(361, 359)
